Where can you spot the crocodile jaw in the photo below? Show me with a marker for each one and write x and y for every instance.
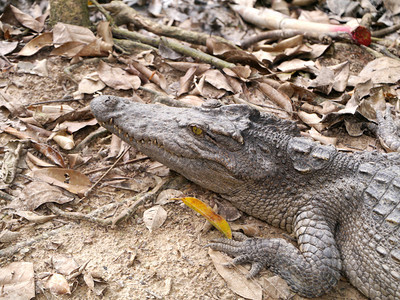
(167, 140)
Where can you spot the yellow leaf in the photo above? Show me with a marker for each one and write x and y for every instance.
(216, 220)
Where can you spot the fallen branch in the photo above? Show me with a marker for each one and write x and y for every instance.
(385, 31)
(10, 251)
(325, 38)
(144, 39)
(268, 18)
(123, 14)
(196, 54)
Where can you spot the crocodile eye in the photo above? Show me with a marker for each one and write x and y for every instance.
(196, 130)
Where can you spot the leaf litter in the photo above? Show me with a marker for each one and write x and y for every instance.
(317, 75)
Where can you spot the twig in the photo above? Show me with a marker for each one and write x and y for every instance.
(77, 215)
(382, 49)
(99, 132)
(124, 163)
(178, 47)
(69, 99)
(385, 31)
(104, 12)
(139, 199)
(105, 173)
(10, 251)
(6, 196)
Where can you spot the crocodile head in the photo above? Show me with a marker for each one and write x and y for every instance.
(217, 147)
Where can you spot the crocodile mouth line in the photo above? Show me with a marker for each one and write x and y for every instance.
(132, 140)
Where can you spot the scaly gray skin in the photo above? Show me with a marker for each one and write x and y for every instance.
(388, 131)
(344, 210)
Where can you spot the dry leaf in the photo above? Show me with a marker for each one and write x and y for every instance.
(64, 33)
(58, 285)
(277, 288)
(52, 154)
(17, 281)
(65, 141)
(78, 125)
(167, 196)
(117, 78)
(90, 84)
(71, 180)
(64, 265)
(154, 217)
(235, 278)
(321, 138)
(7, 47)
(381, 70)
(33, 46)
(217, 79)
(26, 20)
(7, 236)
(311, 120)
(37, 161)
(35, 194)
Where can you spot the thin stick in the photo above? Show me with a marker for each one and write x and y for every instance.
(105, 173)
(10, 251)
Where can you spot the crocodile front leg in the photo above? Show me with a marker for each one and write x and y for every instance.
(310, 271)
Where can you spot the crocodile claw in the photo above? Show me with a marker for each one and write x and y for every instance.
(243, 252)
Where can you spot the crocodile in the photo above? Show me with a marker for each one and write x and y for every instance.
(343, 209)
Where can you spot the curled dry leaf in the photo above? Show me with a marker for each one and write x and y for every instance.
(311, 120)
(37, 161)
(26, 20)
(65, 141)
(52, 154)
(206, 211)
(43, 40)
(58, 285)
(321, 138)
(186, 81)
(248, 229)
(7, 47)
(17, 281)
(282, 100)
(154, 217)
(71, 180)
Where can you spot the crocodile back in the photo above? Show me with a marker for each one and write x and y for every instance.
(369, 240)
